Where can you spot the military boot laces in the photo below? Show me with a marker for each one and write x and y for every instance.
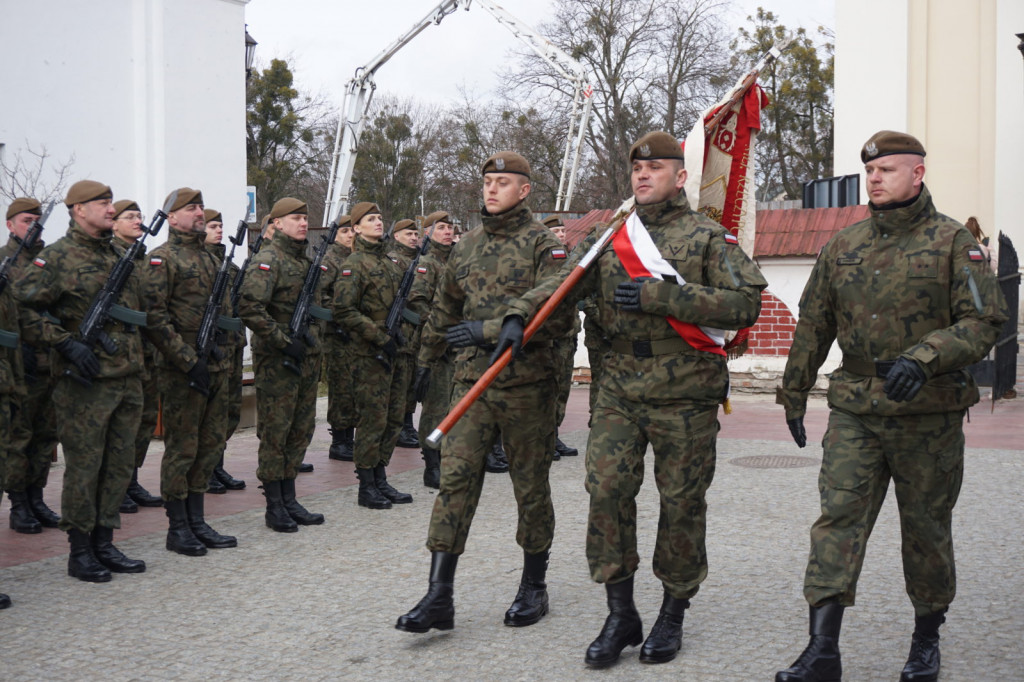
(342, 442)
(22, 520)
(437, 609)
(47, 517)
(202, 530)
(299, 514)
(110, 556)
(820, 661)
(82, 563)
(380, 477)
(140, 495)
(531, 602)
(277, 517)
(923, 662)
(622, 627)
(407, 437)
(666, 638)
(226, 479)
(180, 538)
(369, 496)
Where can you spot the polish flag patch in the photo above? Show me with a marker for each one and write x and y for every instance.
(265, 267)
(39, 262)
(975, 254)
(731, 238)
(324, 268)
(558, 254)
(346, 272)
(156, 261)
(422, 270)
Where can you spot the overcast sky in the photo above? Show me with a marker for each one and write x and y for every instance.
(326, 40)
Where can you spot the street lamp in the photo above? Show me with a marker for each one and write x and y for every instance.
(250, 52)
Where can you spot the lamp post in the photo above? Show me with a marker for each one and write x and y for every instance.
(250, 52)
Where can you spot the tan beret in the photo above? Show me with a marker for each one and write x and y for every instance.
(656, 145)
(345, 220)
(887, 142)
(87, 190)
(553, 221)
(288, 206)
(186, 196)
(125, 205)
(212, 215)
(437, 217)
(506, 162)
(360, 210)
(403, 224)
(24, 205)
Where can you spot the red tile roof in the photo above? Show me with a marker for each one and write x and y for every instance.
(801, 231)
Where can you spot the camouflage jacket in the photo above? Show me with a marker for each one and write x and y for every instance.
(403, 255)
(228, 340)
(12, 379)
(18, 267)
(907, 282)
(63, 281)
(363, 294)
(149, 351)
(487, 270)
(178, 281)
(722, 290)
(428, 276)
(270, 291)
(333, 261)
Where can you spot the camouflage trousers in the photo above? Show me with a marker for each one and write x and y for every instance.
(683, 436)
(194, 430)
(924, 456)
(33, 437)
(596, 346)
(285, 413)
(380, 394)
(234, 393)
(150, 415)
(96, 426)
(565, 355)
(6, 424)
(525, 417)
(410, 373)
(341, 389)
(439, 396)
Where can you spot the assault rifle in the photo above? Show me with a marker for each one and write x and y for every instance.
(305, 309)
(213, 321)
(236, 287)
(31, 236)
(104, 306)
(398, 312)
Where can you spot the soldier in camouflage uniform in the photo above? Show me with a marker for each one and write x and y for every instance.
(565, 352)
(490, 267)
(193, 389)
(661, 384)
(908, 295)
(98, 397)
(34, 431)
(363, 295)
(433, 384)
(232, 343)
(127, 229)
(285, 399)
(338, 356)
(404, 247)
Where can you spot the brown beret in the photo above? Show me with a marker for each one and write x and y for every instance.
(553, 221)
(212, 215)
(125, 205)
(345, 220)
(437, 217)
(360, 210)
(887, 142)
(506, 162)
(656, 145)
(24, 205)
(288, 206)
(403, 224)
(186, 196)
(87, 190)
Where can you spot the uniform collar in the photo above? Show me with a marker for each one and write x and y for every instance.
(36, 248)
(407, 251)
(124, 245)
(292, 247)
(509, 222)
(442, 251)
(366, 246)
(342, 250)
(193, 239)
(664, 211)
(904, 218)
(218, 250)
(77, 234)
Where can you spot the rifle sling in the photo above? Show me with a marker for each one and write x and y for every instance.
(8, 339)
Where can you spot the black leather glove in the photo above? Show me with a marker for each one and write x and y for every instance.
(199, 377)
(421, 384)
(296, 350)
(80, 356)
(796, 428)
(466, 333)
(510, 336)
(390, 349)
(904, 380)
(627, 294)
(29, 361)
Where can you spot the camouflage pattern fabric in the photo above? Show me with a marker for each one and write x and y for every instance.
(438, 399)
(338, 357)
(565, 354)
(380, 393)
(194, 430)
(233, 345)
(11, 381)
(421, 300)
(597, 345)
(407, 353)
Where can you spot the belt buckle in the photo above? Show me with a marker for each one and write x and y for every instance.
(642, 349)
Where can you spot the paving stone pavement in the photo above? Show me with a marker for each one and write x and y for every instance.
(321, 604)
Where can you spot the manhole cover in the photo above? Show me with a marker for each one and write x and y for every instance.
(775, 462)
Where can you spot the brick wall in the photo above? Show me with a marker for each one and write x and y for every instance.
(773, 333)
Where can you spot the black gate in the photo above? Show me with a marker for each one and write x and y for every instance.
(1005, 369)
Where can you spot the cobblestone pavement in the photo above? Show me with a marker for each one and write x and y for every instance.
(321, 604)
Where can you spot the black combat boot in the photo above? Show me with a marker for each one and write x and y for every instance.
(82, 563)
(432, 468)
(531, 602)
(305, 467)
(111, 557)
(180, 538)
(563, 450)
(295, 510)
(128, 506)
(342, 443)
(369, 496)
(5, 601)
(277, 517)
(497, 462)
(820, 661)
(215, 487)
(666, 638)
(140, 495)
(923, 662)
(381, 479)
(197, 524)
(437, 608)
(22, 519)
(622, 627)
(46, 516)
(407, 437)
(226, 479)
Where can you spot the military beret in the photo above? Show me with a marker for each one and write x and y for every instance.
(506, 162)
(403, 224)
(553, 221)
(887, 142)
(288, 206)
(437, 217)
(24, 205)
(656, 145)
(125, 205)
(87, 190)
(360, 210)
(345, 220)
(212, 215)
(263, 223)
(186, 196)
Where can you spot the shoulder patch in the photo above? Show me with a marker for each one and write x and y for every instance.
(264, 266)
(394, 260)
(39, 262)
(421, 269)
(849, 260)
(323, 267)
(975, 254)
(558, 254)
(156, 261)
(346, 272)
(731, 238)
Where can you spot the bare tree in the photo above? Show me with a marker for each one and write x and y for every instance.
(34, 174)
